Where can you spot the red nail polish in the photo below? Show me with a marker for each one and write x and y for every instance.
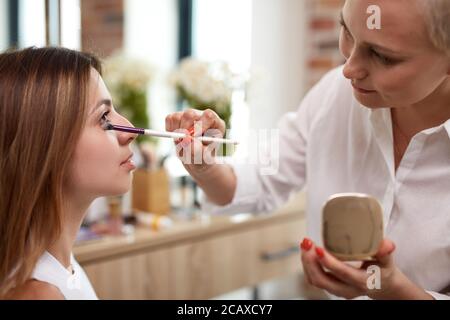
(191, 131)
(320, 252)
(306, 244)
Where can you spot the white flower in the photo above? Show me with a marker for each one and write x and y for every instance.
(207, 83)
(119, 70)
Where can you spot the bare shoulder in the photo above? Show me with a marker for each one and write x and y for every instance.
(37, 290)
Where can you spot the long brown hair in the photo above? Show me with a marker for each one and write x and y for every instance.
(43, 107)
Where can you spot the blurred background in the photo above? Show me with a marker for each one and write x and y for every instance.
(249, 60)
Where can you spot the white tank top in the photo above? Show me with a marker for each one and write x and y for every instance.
(74, 286)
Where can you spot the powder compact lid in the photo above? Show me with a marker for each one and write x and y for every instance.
(352, 226)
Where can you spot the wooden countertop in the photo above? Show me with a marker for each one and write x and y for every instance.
(201, 226)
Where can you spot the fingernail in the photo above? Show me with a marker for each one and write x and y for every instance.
(306, 244)
(191, 131)
(320, 252)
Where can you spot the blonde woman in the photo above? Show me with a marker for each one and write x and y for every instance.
(377, 125)
(55, 159)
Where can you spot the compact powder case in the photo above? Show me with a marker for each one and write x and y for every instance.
(352, 226)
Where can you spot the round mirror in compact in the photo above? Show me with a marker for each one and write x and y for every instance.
(352, 226)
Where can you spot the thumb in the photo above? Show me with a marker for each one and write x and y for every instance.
(384, 254)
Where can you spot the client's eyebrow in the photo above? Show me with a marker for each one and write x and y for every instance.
(102, 102)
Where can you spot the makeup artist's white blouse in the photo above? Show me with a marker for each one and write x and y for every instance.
(75, 286)
(333, 144)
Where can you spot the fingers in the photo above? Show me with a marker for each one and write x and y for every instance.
(195, 153)
(325, 271)
(210, 120)
(384, 254)
(188, 118)
(355, 277)
(196, 123)
(173, 121)
(306, 245)
(318, 277)
(203, 122)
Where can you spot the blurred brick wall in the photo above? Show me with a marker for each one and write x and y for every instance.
(323, 38)
(102, 24)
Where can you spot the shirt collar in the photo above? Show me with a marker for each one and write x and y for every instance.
(447, 127)
(443, 127)
(383, 115)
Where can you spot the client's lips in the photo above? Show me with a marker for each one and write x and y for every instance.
(362, 90)
(127, 159)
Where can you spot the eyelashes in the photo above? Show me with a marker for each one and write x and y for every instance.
(383, 59)
(104, 121)
(104, 116)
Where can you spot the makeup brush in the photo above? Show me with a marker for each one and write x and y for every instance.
(166, 134)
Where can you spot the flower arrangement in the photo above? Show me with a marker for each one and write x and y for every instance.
(203, 85)
(128, 80)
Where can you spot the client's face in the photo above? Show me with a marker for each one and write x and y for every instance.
(101, 165)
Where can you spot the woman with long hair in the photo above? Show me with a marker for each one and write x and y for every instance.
(55, 158)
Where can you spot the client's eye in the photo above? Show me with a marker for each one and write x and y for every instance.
(104, 116)
(104, 121)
